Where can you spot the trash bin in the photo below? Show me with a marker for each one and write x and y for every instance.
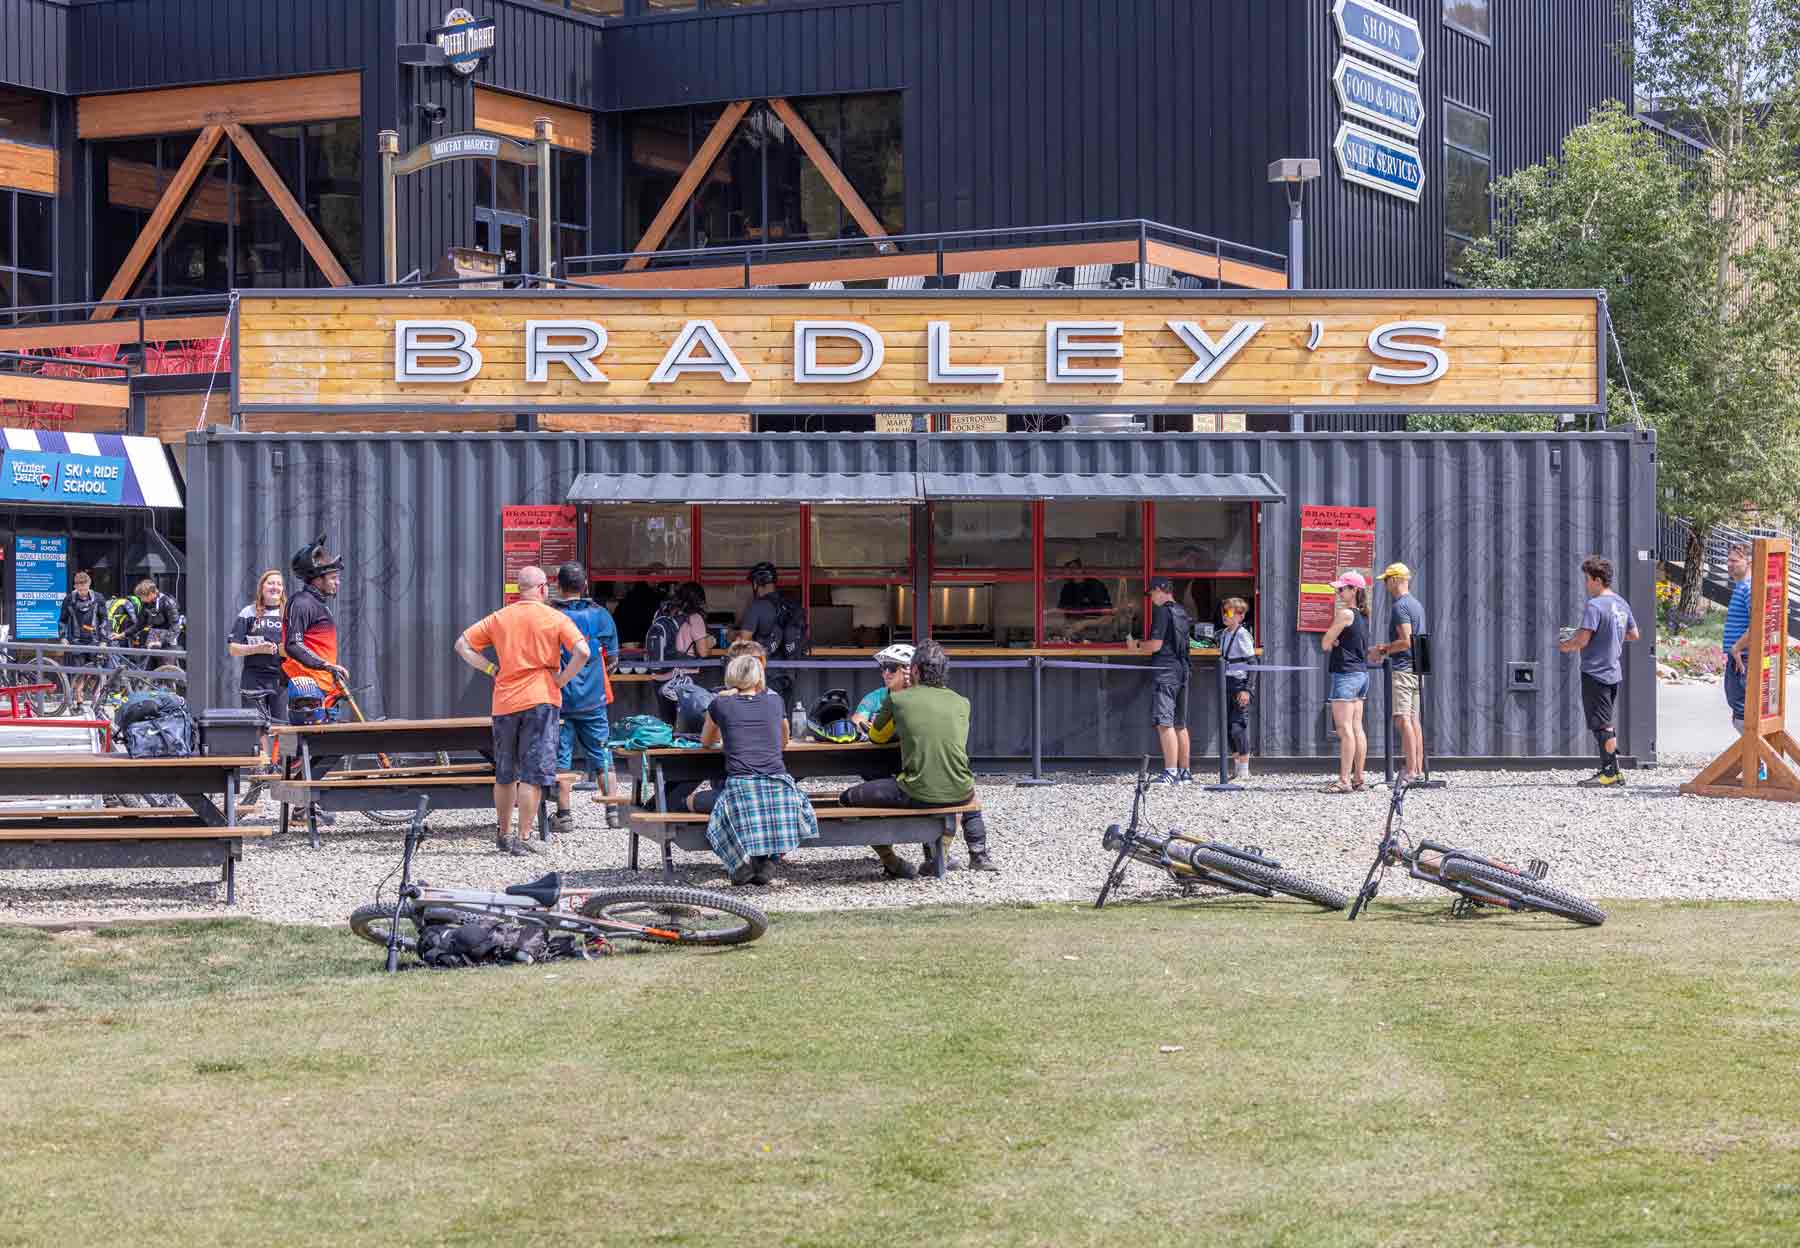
(230, 731)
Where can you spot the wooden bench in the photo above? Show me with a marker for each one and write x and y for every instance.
(424, 769)
(103, 845)
(839, 827)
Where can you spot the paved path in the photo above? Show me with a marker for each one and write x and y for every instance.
(1692, 719)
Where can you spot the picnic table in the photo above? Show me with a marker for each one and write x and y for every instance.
(45, 838)
(656, 769)
(450, 786)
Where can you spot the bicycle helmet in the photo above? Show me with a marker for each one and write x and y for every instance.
(830, 718)
(763, 573)
(899, 653)
(310, 561)
(305, 698)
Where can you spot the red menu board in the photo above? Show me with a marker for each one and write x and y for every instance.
(1774, 658)
(1332, 540)
(544, 536)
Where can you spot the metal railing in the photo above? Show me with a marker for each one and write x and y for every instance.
(748, 255)
(1673, 535)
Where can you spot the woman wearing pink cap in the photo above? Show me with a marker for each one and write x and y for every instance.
(1347, 642)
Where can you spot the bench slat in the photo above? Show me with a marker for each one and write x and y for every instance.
(9, 813)
(333, 781)
(384, 773)
(195, 832)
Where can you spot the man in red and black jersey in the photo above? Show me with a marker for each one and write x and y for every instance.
(309, 643)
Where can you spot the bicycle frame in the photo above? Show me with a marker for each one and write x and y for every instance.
(1413, 856)
(1173, 852)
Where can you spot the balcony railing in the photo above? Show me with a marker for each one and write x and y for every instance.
(1090, 256)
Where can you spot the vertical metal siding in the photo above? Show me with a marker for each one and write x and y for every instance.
(34, 51)
(135, 44)
(1495, 527)
(1543, 99)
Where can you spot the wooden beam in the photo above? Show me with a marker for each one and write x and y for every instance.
(153, 230)
(28, 168)
(31, 389)
(712, 277)
(834, 177)
(91, 334)
(322, 97)
(689, 182)
(516, 117)
(296, 217)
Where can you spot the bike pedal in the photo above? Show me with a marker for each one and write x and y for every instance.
(1537, 868)
(1254, 849)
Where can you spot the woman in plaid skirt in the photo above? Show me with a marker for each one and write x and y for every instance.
(761, 812)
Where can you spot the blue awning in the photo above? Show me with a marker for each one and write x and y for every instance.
(86, 470)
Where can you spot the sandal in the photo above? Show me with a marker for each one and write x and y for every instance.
(1338, 786)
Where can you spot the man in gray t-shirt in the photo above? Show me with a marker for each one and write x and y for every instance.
(1606, 625)
(1406, 621)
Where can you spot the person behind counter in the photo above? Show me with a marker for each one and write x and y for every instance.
(761, 812)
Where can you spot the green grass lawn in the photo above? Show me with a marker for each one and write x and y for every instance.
(933, 1076)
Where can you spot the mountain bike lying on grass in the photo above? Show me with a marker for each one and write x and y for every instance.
(543, 921)
(1192, 862)
(1477, 881)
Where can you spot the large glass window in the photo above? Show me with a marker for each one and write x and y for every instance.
(1093, 571)
(981, 535)
(1468, 167)
(1469, 16)
(861, 575)
(506, 208)
(228, 232)
(637, 539)
(24, 251)
(1209, 551)
(763, 187)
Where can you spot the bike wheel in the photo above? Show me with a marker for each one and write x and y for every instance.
(664, 914)
(1272, 878)
(372, 924)
(1533, 893)
(389, 818)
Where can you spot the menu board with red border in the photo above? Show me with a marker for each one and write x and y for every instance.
(1774, 657)
(1332, 540)
(544, 536)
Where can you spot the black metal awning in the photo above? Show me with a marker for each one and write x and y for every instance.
(744, 487)
(1218, 487)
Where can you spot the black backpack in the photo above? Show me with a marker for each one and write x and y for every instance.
(660, 643)
(477, 941)
(156, 725)
(794, 640)
(1183, 625)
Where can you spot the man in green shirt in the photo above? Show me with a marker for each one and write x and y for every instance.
(934, 753)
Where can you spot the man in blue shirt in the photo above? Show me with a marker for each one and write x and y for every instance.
(584, 699)
(1406, 621)
(1737, 633)
(1606, 625)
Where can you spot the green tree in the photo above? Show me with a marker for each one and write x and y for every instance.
(1695, 245)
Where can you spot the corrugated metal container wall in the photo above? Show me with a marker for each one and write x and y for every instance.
(1494, 526)
(417, 518)
(34, 52)
(131, 44)
(823, 49)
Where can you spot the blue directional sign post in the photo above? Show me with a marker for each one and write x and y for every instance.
(1377, 96)
(1379, 162)
(1388, 35)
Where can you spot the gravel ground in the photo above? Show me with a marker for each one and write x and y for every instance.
(1645, 841)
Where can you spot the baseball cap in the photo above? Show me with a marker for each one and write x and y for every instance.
(1396, 568)
(1350, 580)
(1163, 583)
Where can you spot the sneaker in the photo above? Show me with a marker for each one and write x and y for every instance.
(514, 847)
(1167, 777)
(502, 842)
(762, 870)
(531, 845)
(1184, 776)
(743, 875)
(980, 861)
(564, 821)
(1602, 780)
(897, 868)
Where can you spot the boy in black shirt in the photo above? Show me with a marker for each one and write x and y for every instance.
(1169, 629)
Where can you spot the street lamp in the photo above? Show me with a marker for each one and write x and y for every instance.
(1293, 175)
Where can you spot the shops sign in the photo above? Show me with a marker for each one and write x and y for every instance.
(1388, 35)
(1378, 96)
(466, 39)
(39, 477)
(1380, 163)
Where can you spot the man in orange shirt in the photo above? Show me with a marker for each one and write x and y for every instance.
(529, 638)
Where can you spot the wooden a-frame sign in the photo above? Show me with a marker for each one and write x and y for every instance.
(1765, 744)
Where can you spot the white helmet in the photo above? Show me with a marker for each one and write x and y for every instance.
(896, 653)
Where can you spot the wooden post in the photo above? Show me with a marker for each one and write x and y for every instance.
(388, 142)
(1765, 744)
(287, 205)
(689, 182)
(158, 224)
(834, 177)
(546, 226)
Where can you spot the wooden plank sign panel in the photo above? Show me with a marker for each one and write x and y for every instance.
(876, 350)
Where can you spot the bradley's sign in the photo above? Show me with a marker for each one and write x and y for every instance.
(888, 351)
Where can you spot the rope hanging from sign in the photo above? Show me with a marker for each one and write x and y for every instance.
(213, 377)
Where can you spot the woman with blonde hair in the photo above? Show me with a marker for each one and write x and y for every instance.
(760, 813)
(256, 639)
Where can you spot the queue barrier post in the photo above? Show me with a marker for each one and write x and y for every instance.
(1037, 777)
(1387, 700)
(1422, 669)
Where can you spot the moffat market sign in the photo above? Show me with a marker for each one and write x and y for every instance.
(875, 351)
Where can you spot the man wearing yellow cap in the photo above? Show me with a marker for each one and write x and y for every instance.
(1406, 620)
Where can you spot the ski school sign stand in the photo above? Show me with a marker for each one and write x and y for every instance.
(1765, 745)
(1278, 352)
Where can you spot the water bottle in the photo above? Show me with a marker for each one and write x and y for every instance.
(797, 725)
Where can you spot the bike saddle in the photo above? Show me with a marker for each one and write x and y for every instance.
(546, 890)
